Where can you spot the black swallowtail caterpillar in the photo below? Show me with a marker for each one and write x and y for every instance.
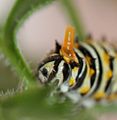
(84, 69)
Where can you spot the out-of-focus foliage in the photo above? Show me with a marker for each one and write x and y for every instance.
(36, 104)
(7, 74)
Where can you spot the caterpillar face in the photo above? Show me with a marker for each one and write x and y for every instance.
(45, 71)
(51, 69)
(54, 69)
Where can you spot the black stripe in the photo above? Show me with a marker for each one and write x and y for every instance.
(73, 64)
(108, 84)
(80, 64)
(92, 65)
(111, 68)
(100, 68)
(110, 79)
(66, 72)
(81, 79)
(49, 59)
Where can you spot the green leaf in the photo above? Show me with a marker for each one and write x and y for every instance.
(8, 42)
(38, 105)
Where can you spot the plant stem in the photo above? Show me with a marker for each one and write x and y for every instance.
(21, 10)
(75, 18)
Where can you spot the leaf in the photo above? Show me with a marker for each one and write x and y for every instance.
(8, 42)
(38, 105)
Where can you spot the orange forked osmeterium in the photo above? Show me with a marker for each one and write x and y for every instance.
(67, 49)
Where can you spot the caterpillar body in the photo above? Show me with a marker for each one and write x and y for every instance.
(87, 68)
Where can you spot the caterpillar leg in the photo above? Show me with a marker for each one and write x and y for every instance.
(79, 100)
(73, 95)
(88, 103)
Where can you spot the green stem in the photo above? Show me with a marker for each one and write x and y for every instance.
(75, 18)
(21, 11)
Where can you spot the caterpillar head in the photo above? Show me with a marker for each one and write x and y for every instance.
(54, 69)
(48, 68)
(57, 67)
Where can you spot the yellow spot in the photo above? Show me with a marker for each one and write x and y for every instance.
(88, 59)
(109, 74)
(84, 90)
(66, 59)
(99, 95)
(71, 82)
(106, 58)
(92, 71)
(75, 69)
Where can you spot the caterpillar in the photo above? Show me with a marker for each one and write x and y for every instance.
(84, 69)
